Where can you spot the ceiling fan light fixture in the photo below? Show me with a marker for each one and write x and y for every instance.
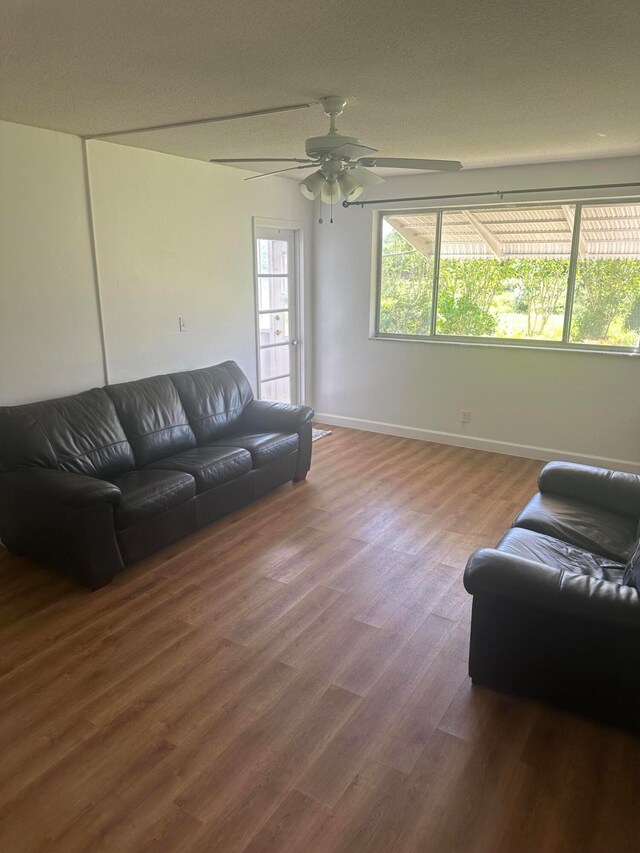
(331, 193)
(365, 177)
(351, 188)
(312, 186)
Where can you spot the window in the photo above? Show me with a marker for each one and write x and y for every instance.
(406, 295)
(555, 274)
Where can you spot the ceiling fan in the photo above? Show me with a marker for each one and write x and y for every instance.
(343, 162)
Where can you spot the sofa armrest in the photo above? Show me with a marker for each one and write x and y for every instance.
(282, 417)
(495, 573)
(279, 417)
(616, 491)
(62, 487)
(62, 519)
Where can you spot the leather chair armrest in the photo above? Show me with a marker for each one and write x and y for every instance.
(616, 491)
(275, 417)
(495, 573)
(62, 487)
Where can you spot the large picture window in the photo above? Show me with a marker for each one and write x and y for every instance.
(554, 274)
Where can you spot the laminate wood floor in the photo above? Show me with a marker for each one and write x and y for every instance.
(294, 678)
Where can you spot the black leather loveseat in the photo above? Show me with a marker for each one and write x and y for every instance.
(95, 481)
(556, 605)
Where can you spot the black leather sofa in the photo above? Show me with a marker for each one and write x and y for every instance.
(556, 605)
(96, 481)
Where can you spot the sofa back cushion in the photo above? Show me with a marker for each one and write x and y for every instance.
(213, 398)
(153, 418)
(80, 434)
(23, 442)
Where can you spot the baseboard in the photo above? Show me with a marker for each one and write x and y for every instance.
(491, 445)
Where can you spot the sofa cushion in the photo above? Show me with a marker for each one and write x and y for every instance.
(153, 418)
(23, 442)
(581, 524)
(264, 447)
(209, 466)
(148, 493)
(553, 552)
(632, 569)
(213, 398)
(84, 434)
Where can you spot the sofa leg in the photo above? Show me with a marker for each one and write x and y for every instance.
(97, 583)
(94, 582)
(300, 478)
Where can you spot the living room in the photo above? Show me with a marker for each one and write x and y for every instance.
(235, 613)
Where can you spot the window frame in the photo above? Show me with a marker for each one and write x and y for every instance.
(470, 340)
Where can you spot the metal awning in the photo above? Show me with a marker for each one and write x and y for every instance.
(607, 231)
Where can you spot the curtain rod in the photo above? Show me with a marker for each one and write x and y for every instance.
(500, 193)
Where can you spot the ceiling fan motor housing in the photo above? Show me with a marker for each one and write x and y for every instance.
(332, 169)
(318, 147)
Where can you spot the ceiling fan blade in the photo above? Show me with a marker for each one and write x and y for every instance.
(351, 151)
(262, 160)
(406, 163)
(366, 178)
(277, 172)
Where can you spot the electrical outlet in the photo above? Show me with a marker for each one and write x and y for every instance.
(182, 324)
(465, 416)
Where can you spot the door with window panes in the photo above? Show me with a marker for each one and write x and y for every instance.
(276, 303)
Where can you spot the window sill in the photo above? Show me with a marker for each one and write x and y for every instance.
(529, 345)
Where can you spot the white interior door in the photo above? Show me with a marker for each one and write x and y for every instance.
(277, 314)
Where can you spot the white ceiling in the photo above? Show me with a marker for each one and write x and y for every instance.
(486, 82)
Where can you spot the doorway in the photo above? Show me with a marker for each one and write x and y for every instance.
(277, 265)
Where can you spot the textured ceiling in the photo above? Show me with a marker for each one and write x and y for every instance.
(491, 82)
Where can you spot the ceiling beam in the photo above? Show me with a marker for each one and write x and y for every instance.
(486, 235)
(213, 120)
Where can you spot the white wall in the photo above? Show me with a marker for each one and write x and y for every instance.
(532, 402)
(173, 237)
(49, 332)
